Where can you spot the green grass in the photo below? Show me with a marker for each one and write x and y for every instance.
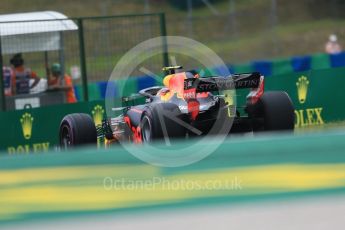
(297, 32)
(82, 8)
(304, 37)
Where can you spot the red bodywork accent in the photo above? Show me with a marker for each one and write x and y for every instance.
(189, 94)
(202, 95)
(193, 108)
(256, 93)
(136, 131)
(176, 84)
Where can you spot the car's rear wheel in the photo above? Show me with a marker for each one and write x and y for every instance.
(276, 111)
(77, 129)
(161, 121)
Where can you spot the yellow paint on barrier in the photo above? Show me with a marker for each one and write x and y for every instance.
(87, 189)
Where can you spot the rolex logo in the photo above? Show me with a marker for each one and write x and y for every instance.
(97, 114)
(302, 88)
(26, 122)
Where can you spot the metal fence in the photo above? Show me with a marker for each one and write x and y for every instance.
(85, 49)
(107, 39)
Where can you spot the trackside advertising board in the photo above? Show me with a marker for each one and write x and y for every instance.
(318, 95)
(36, 130)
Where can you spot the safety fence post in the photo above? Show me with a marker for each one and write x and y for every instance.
(82, 59)
(164, 34)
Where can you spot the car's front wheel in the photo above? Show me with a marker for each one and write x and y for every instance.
(77, 129)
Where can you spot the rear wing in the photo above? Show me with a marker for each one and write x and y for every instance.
(236, 81)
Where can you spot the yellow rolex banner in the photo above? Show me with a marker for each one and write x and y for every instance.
(37, 130)
(317, 95)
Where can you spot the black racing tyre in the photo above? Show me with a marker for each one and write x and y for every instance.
(276, 110)
(77, 129)
(159, 122)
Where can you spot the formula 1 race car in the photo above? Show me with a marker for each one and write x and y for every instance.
(186, 106)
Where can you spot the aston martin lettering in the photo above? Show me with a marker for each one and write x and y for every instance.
(207, 85)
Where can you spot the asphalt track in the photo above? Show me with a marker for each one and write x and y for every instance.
(308, 213)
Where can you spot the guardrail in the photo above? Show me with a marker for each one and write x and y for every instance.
(292, 64)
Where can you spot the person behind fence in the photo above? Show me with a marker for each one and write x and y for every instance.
(56, 81)
(21, 76)
(7, 79)
(332, 46)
